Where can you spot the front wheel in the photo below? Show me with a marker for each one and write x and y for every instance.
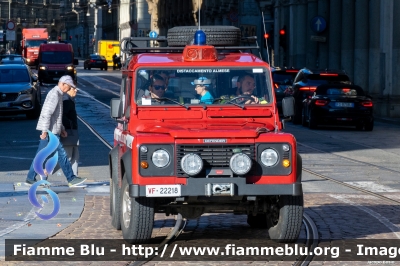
(115, 203)
(285, 218)
(369, 126)
(137, 216)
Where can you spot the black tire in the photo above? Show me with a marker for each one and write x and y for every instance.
(35, 112)
(136, 225)
(89, 68)
(360, 126)
(284, 221)
(304, 122)
(298, 109)
(258, 221)
(369, 126)
(106, 68)
(84, 67)
(101, 68)
(215, 35)
(115, 203)
(312, 122)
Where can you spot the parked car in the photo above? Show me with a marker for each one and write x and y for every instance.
(283, 79)
(306, 81)
(19, 91)
(12, 59)
(95, 61)
(339, 104)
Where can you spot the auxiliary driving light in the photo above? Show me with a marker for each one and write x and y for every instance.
(160, 158)
(285, 147)
(269, 157)
(240, 163)
(143, 149)
(192, 164)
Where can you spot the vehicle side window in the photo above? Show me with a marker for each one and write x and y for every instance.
(128, 89)
(125, 94)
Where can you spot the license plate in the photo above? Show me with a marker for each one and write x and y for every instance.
(56, 78)
(163, 191)
(98, 61)
(4, 104)
(339, 104)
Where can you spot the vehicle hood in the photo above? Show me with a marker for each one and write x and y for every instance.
(240, 129)
(14, 87)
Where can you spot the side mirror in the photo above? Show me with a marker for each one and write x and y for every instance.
(76, 62)
(115, 109)
(34, 78)
(288, 106)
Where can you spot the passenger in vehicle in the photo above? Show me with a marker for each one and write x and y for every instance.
(201, 86)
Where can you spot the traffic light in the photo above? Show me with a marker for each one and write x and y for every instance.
(282, 37)
(70, 37)
(59, 38)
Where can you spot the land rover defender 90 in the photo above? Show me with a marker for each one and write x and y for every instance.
(178, 152)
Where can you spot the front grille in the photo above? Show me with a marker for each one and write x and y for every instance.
(9, 97)
(214, 156)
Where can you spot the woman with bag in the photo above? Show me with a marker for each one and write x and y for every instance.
(70, 122)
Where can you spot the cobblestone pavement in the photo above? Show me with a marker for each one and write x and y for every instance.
(337, 216)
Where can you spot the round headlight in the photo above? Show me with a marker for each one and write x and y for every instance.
(269, 157)
(160, 158)
(240, 163)
(191, 164)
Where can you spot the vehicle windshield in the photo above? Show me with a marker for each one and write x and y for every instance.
(34, 43)
(203, 86)
(56, 57)
(316, 79)
(14, 75)
(352, 91)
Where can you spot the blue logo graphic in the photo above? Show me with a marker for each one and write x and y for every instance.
(43, 168)
(34, 201)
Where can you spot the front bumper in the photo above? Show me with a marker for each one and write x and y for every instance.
(198, 187)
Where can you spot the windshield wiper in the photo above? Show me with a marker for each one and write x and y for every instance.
(171, 100)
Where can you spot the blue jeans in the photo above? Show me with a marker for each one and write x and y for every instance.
(62, 161)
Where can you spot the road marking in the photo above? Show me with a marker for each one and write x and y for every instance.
(17, 158)
(100, 88)
(88, 95)
(372, 186)
(385, 221)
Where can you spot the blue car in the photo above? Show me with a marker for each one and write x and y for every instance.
(19, 91)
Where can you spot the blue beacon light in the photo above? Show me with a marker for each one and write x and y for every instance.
(200, 38)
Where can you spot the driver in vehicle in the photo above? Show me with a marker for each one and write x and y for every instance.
(156, 90)
(201, 86)
(245, 86)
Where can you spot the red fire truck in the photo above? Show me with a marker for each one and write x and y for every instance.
(31, 40)
(199, 132)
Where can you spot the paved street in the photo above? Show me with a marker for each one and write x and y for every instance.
(367, 160)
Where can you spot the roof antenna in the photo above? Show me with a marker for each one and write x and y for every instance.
(198, 5)
(266, 39)
(199, 35)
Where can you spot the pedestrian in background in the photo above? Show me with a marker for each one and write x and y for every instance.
(51, 119)
(70, 122)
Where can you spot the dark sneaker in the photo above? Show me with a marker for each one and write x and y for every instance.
(29, 182)
(76, 181)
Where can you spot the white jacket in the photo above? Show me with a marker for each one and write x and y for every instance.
(51, 114)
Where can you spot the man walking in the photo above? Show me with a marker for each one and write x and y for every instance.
(51, 119)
